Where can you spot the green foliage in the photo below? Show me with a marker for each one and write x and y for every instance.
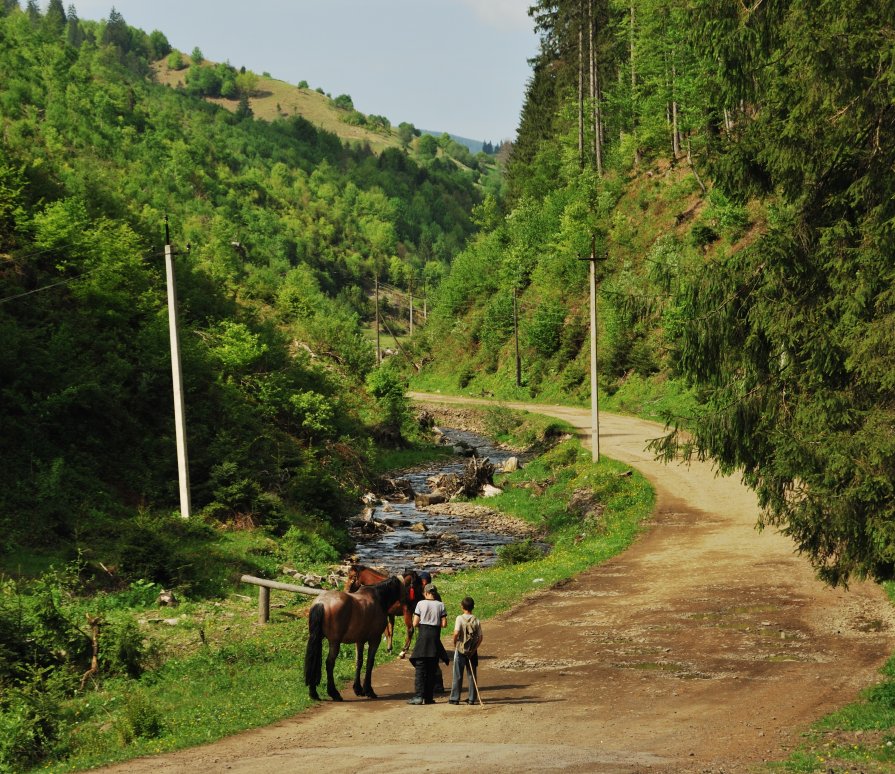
(394, 414)
(141, 719)
(284, 223)
(544, 330)
(33, 724)
(344, 102)
(785, 340)
(519, 552)
(163, 549)
(427, 147)
(175, 61)
(300, 548)
(122, 650)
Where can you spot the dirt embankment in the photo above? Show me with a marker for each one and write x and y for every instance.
(706, 647)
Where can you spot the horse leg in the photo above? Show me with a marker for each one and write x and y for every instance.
(409, 638)
(330, 665)
(314, 650)
(358, 664)
(372, 647)
(389, 633)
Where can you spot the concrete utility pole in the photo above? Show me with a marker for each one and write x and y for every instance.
(516, 337)
(594, 391)
(378, 348)
(183, 465)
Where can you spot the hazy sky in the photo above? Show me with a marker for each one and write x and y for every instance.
(459, 66)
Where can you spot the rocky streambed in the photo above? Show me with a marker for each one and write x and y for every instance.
(412, 526)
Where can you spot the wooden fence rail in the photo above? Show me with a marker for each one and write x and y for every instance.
(264, 587)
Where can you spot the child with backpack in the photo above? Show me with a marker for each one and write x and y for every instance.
(467, 638)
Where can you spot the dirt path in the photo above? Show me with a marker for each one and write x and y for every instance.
(706, 647)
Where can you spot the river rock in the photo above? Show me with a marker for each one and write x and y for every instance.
(510, 465)
(426, 499)
(489, 490)
(419, 527)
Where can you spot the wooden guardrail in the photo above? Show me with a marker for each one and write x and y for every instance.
(264, 587)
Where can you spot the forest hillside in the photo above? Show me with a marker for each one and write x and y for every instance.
(730, 170)
(280, 231)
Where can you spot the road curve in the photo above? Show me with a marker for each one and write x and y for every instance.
(707, 646)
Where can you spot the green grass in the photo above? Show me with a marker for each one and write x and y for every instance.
(218, 671)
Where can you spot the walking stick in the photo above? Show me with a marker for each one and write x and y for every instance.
(477, 691)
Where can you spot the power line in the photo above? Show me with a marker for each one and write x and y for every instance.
(26, 256)
(50, 287)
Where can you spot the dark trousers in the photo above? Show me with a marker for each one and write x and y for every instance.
(424, 678)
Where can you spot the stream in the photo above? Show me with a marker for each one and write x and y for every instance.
(450, 542)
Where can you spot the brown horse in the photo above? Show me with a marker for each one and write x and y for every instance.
(360, 575)
(359, 617)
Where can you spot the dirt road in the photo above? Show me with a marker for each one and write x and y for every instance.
(706, 647)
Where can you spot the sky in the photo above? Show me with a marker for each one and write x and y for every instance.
(457, 66)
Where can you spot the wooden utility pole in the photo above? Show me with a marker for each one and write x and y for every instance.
(183, 466)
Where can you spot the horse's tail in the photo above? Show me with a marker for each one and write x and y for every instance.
(314, 651)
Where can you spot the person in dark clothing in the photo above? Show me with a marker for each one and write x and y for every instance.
(426, 580)
(429, 619)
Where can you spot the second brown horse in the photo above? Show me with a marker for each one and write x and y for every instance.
(361, 575)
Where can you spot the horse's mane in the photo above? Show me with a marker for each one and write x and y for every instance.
(387, 592)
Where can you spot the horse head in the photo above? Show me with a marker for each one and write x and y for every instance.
(413, 586)
(352, 581)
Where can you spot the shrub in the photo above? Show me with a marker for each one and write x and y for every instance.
(702, 234)
(141, 719)
(544, 331)
(298, 547)
(518, 553)
(32, 723)
(175, 61)
(121, 648)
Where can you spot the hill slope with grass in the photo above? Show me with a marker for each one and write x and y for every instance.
(271, 99)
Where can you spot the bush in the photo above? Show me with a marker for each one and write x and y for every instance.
(141, 719)
(175, 61)
(32, 723)
(518, 553)
(121, 648)
(299, 547)
(702, 235)
(544, 331)
(162, 548)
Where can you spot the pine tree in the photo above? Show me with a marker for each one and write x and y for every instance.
(55, 19)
